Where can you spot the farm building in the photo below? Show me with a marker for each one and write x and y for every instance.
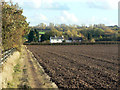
(75, 39)
(56, 39)
(68, 41)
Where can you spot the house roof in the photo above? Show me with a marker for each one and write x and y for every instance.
(75, 38)
(56, 37)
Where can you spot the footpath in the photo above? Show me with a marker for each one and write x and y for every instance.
(22, 70)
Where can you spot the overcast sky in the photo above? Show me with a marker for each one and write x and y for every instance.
(70, 11)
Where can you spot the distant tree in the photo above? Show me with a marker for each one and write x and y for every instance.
(93, 32)
(98, 32)
(89, 36)
(31, 36)
(74, 33)
(41, 26)
(51, 33)
(118, 37)
(51, 26)
(69, 33)
(46, 36)
(36, 36)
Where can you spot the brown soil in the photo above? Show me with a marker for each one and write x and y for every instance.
(79, 66)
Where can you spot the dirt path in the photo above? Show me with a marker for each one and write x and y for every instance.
(37, 78)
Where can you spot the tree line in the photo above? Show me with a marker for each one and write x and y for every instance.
(95, 32)
(14, 26)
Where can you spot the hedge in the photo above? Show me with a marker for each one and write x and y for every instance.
(76, 43)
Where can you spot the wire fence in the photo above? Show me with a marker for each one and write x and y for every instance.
(6, 54)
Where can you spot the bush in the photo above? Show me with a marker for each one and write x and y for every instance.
(93, 40)
(17, 68)
(47, 41)
(76, 43)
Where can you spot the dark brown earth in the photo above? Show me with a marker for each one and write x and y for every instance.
(79, 66)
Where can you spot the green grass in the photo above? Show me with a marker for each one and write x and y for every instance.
(41, 32)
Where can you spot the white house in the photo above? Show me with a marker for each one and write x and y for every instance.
(56, 39)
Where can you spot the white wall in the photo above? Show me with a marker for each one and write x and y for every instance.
(68, 41)
(56, 41)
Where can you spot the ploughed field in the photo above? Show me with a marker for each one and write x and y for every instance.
(79, 66)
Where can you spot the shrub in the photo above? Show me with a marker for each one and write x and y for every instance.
(17, 68)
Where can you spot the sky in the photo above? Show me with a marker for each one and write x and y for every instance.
(78, 12)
